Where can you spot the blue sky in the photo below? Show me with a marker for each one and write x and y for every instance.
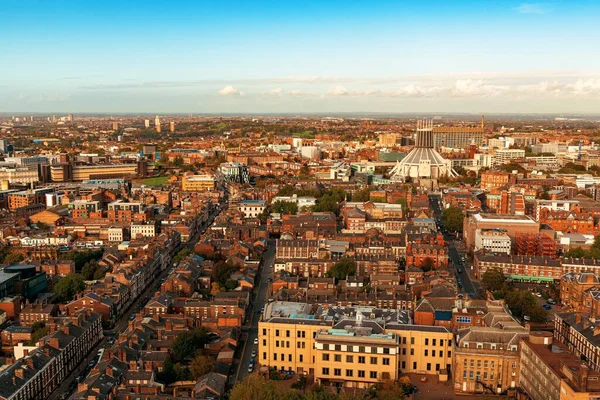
(299, 56)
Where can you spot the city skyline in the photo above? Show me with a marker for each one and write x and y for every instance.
(237, 57)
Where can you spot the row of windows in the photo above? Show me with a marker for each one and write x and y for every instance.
(359, 373)
(350, 359)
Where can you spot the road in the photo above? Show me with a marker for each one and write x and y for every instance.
(469, 287)
(123, 321)
(260, 297)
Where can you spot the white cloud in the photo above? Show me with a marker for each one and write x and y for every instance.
(337, 91)
(275, 92)
(532, 8)
(230, 91)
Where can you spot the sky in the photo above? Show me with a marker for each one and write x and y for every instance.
(307, 56)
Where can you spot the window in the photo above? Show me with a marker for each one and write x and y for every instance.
(403, 364)
(426, 352)
(325, 357)
(277, 343)
(441, 342)
(275, 356)
(426, 342)
(349, 372)
(350, 359)
(287, 344)
(337, 357)
(373, 374)
(485, 363)
(412, 340)
(301, 358)
(264, 332)
(514, 365)
(449, 354)
(412, 352)
(264, 356)
(433, 353)
(485, 376)
(361, 374)
(437, 367)
(478, 363)
(337, 372)
(290, 358)
(428, 366)
(403, 351)
(361, 359)
(404, 340)
(338, 347)
(414, 365)
(433, 342)
(264, 342)
(470, 374)
(491, 376)
(463, 320)
(386, 361)
(325, 371)
(464, 374)
(287, 333)
(276, 332)
(493, 363)
(386, 351)
(361, 349)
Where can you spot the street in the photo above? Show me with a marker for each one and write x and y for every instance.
(468, 286)
(260, 297)
(123, 321)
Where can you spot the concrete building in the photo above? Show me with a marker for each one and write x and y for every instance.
(349, 346)
(486, 360)
(457, 137)
(512, 224)
(141, 229)
(549, 371)
(492, 240)
(252, 208)
(504, 156)
(198, 183)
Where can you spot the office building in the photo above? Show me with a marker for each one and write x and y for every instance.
(198, 183)
(486, 360)
(146, 123)
(353, 347)
(512, 224)
(549, 371)
(457, 137)
(492, 240)
(252, 208)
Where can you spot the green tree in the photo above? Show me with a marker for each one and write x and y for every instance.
(67, 287)
(452, 218)
(13, 258)
(362, 195)
(38, 331)
(493, 279)
(200, 365)
(427, 265)
(284, 207)
(186, 343)
(576, 252)
(343, 268)
(230, 284)
(255, 387)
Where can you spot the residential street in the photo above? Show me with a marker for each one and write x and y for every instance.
(121, 323)
(259, 296)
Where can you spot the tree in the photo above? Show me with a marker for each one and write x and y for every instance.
(255, 387)
(200, 365)
(67, 287)
(284, 207)
(222, 272)
(362, 195)
(576, 252)
(452, 218)
(343, 268)
(13, 258)
(493, 279)
(231, 284)
(215, 288)
(100, 273)
(427, 265)
(38, 331)
(186, 343)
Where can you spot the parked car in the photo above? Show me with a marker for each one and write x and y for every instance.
(92, 363)
(253, 353)
(547, 307)
(255, 340)
(250, 367)
(538, 294)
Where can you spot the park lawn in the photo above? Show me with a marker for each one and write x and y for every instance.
(155, 181)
